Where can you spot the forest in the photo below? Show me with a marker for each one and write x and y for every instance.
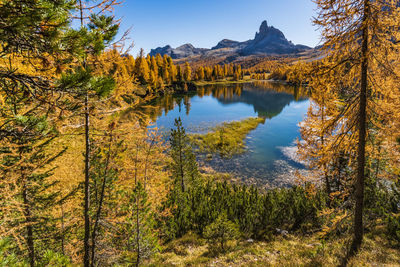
(87, 180)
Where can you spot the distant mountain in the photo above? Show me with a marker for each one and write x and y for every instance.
(186, 50)
(226, 43)
(267, 41)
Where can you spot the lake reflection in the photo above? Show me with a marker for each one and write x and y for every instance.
(268, 158)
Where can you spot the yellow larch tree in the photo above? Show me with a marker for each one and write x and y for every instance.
(352, 88)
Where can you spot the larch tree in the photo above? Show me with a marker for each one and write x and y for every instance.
(142, 68)
(225, 70)
(359, 73)
(187, 72)
(179, 74)
(201, 73)
(172, 70)
(154, 66)
(166, 70)
(130, 65)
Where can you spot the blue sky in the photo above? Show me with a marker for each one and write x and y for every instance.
(204, 23)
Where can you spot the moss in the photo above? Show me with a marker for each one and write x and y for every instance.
(227, 139)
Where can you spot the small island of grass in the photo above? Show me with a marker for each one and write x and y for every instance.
(226, 139)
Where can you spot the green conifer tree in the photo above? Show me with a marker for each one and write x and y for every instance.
(37, 29)
(184, 166)
(139, 228)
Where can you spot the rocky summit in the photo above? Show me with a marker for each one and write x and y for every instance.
(267, 41)
(270, 40)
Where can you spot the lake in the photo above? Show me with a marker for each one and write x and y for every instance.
(269, 159)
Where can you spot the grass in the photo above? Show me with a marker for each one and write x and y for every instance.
(226, 139)
(292, 250)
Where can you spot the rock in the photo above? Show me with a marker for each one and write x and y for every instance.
(250, 240)
(314, 245)
(282, 232)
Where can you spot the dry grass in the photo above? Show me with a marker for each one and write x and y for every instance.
(283, 251)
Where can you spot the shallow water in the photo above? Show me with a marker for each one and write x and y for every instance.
(268, 159)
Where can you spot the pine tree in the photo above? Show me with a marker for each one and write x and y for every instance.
(139, 226)
(96, 32)
(103, 177)
(25, 163)
(28, 98)
(221, 231)
(184, 166)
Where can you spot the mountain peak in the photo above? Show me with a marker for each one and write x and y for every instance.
(226, 43)
(268, 32)
(264, 27)
(186, 46)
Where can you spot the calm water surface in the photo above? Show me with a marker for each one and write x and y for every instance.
(269, 158)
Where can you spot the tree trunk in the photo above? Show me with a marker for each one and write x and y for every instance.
(86, 259)
(359, 183)
(98, 213)
(86, 247)
(137, 230)
(29, 228)
(327, 183)
(62, 230)
(137, 208)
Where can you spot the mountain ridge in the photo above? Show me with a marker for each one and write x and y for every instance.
(267, 41)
